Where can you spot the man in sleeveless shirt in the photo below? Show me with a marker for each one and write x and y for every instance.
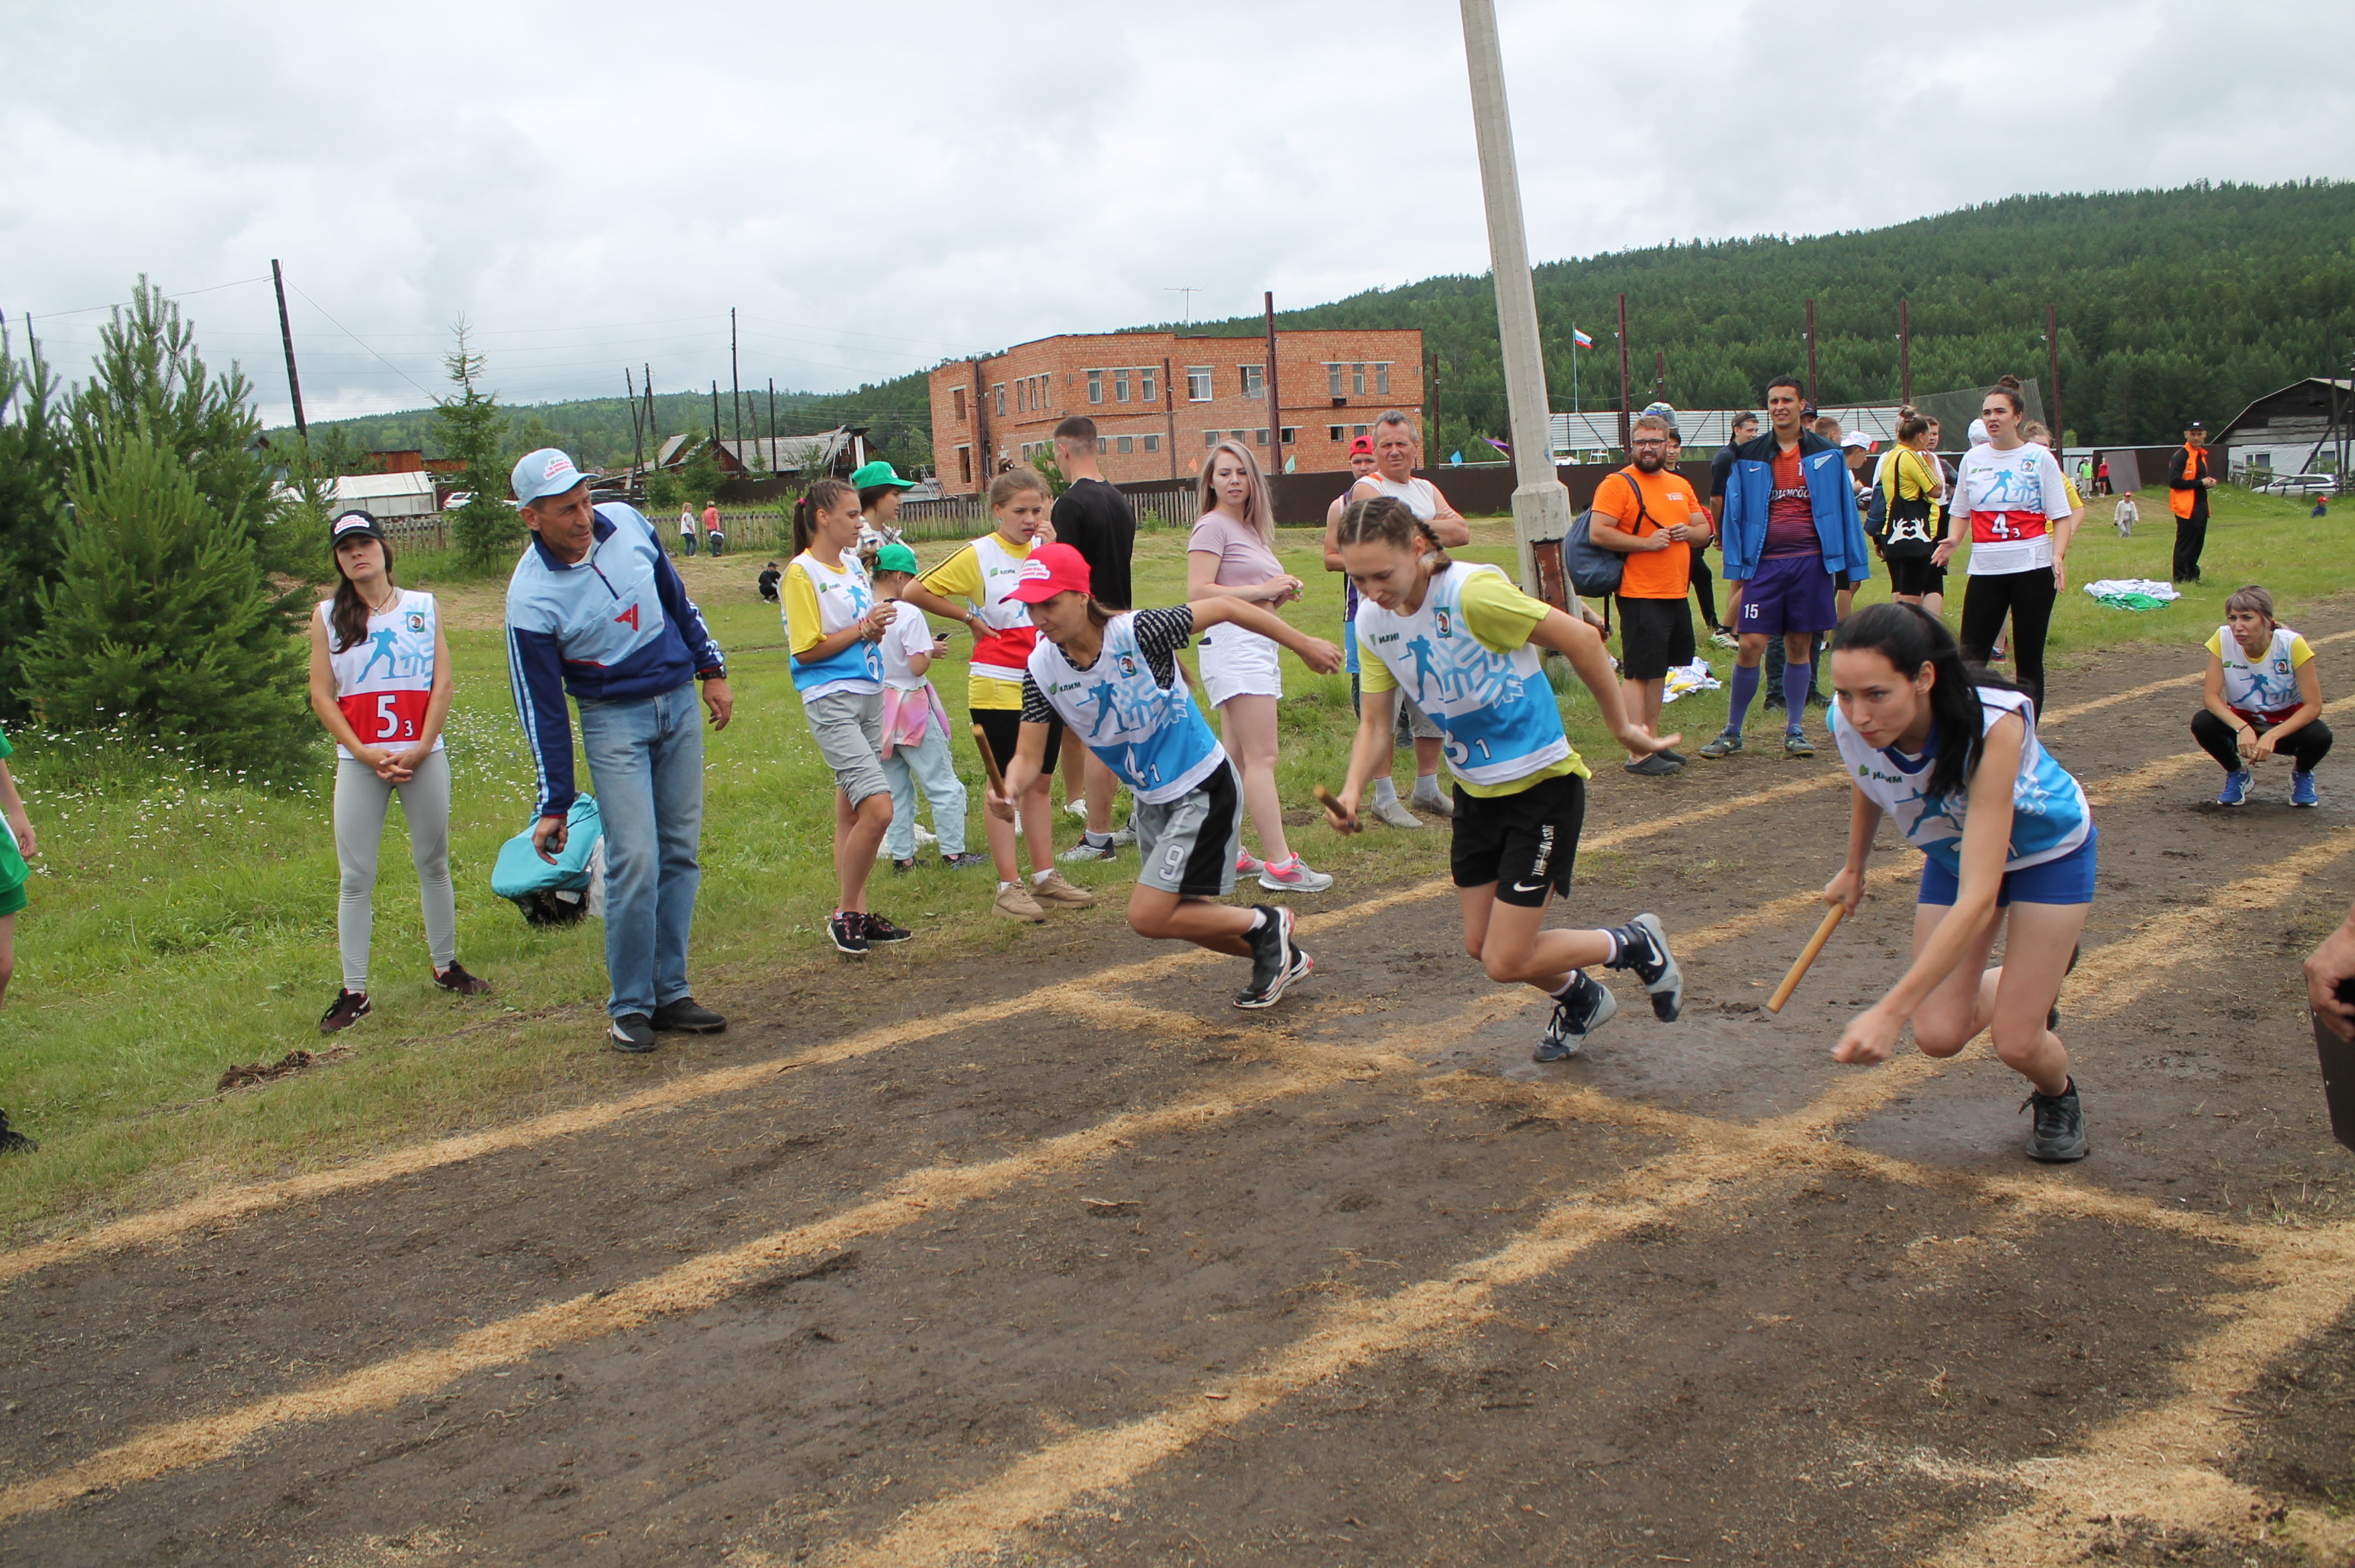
(1393, 475)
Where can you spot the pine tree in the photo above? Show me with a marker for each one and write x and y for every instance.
(162, 623)
(469, 426)
(33, 464)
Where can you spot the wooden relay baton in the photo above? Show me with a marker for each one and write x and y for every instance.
(1807, 956)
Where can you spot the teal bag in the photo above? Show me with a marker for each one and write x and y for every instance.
(554, 894)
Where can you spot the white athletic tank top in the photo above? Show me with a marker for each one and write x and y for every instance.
(1003, 654)
(1497, 709)
(2265, 685)
(1421, 496)
(844, 598)
(2049, 816)
(384, 681)
(1152, 736)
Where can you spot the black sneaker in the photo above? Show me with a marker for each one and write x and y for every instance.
(348, 1008)
(684, 1015)
(1575, 1017)
(633, 1032)
(965, 860)
(1643, 948)
(1270, 947)
(849, 933)
(881, 930)
(2058, 1134)
(456, 978)
(902, 867)
(1303, 966)
(14, 1142)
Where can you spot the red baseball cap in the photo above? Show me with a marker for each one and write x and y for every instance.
(1053, 569)
(1363, 443)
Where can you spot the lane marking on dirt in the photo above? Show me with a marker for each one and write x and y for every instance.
(232, 1204)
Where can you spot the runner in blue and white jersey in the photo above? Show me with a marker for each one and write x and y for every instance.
(2006, 835)
(1113, 680)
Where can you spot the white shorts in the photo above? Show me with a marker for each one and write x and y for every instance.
(1236, 662)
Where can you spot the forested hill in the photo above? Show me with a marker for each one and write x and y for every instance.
(2172, 304)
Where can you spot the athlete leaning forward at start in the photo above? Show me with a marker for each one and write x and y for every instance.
(1462, 641)
(1114, 682)
(2004, 830)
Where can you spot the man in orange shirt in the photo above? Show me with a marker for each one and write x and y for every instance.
(1657, 521)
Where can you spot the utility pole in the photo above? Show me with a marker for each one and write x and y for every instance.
(1169, 406)
(2052, 348)
(286, 332)
(1904, 353)
(1811, 350)
(774, 457)
(1660, 377)
(637, 429)
(735, 385)
(649, 394)
(1274, 407)
(1626, 426)
(714, 413)
(1540, 504)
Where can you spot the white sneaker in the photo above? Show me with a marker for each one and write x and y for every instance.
(1392, 810)
(1078, 809)
(1245, 866)
(1294, 876)
(1437, 804)
(925, 836)
(1125, 835)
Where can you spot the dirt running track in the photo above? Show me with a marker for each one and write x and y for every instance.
(1096, 1269)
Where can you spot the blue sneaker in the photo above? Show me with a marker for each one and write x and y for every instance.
(2301, 788)
(2236, 789)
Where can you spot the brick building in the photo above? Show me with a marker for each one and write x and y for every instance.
(1161, 402)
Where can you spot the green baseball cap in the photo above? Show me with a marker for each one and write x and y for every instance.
(896, 557)
(879, 473)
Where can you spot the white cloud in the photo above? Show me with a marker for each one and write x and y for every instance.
(877, 185)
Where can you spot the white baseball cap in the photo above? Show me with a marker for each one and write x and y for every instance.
(1857, 438)
(548, 471)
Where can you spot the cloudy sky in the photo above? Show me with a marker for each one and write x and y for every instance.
(882, 185)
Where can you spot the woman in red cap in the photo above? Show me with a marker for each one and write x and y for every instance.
(1112, 682)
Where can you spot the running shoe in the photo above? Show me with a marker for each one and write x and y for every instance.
(1125, 835)
(348, 1008)
(1588, 1007)
(1658, 765)
(1724, 639)
(2301, 788)
(684, 1015)
(1089, 850)
(1303, 966)
(1434, 801)
(1643, 948)
(1390, 809)
(1271, 963)
(902, 867)
(881, 930)
(1995, 656)
(2236, 788)
(1078, 809)
(1294, 876)
(925, 836)
(849, 930)
(1014, 903)
(632, 1032)
(964, 860)
(1725, 745)
(1246, 865)
(2058, 1134)
(1796, 744)
(456, 978)
(1055, 889)
(14, 1142)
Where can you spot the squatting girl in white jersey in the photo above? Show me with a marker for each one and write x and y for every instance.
(380, 685)
(2006, 836)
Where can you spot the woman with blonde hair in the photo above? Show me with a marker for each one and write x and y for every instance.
(1231, 555)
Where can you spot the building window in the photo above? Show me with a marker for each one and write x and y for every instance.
(1210, 438)
(998, 396)
(1152, 444)
(1102, 446)
(1332, 432)
(965, 464)
(1333, 381)
(1356, 430)
(1197, 383)
(1357, 380)
(1125, 444)
(1095, 386)
(1254, 381)
(1236, 436)
(1120, 386)
(1292, 435)
(957, 395)
(1145, 386)
(1258, 437)
(1382, 379)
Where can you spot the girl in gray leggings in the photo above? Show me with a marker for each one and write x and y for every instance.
(380, 685)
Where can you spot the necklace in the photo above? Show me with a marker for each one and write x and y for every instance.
(389, 600)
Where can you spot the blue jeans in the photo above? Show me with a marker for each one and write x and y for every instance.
(645, 761)
(931, 766)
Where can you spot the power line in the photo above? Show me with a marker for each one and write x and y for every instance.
(355, 337)
(117, 304)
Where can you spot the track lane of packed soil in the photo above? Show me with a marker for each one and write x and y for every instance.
(1755, 1371)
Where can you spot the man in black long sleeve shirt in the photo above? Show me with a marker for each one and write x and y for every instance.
(1096, 520)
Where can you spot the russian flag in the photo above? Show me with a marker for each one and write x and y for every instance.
(1580, 338)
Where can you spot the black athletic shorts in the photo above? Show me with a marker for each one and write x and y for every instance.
(1004, 728)
(1914, 576)
(1523, 842)
(1654, 636)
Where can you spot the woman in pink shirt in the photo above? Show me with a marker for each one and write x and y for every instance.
(1232, 554)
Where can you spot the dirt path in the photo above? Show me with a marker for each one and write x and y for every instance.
(1083, 1267)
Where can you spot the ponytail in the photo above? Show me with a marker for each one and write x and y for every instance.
(824, 496)
(1909, 636)
(1392, 522)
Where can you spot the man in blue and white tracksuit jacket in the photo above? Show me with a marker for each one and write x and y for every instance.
(596, 609)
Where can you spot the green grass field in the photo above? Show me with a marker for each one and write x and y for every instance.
(184, 921)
